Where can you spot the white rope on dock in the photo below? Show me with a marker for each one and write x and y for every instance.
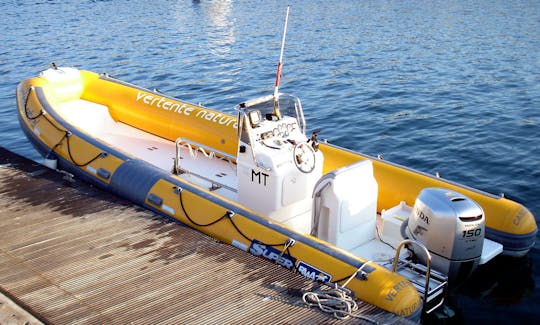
(337, 301)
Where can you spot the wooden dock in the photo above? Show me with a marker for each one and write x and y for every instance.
(73, 254)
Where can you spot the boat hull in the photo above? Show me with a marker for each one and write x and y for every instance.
(160, 191)
(116, 170)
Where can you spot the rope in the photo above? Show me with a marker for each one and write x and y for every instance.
(26, 106)
(359, 270)
(66, 135)
(335, 301)
(227, 214)
(194, 152)
(350, 277)
(209, 155)
(230, 215)
(289, 243)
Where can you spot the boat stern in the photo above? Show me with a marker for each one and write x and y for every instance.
(401, 298)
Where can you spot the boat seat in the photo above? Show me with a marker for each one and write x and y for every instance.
(345, 206)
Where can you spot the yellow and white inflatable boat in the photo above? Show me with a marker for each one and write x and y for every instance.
(393, 236)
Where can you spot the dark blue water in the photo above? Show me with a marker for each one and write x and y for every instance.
(441, 86)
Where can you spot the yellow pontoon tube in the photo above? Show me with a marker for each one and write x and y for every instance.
(158, 152)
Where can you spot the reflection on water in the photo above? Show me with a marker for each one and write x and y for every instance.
(214, 19)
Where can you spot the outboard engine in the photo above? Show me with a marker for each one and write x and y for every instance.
(451, 226)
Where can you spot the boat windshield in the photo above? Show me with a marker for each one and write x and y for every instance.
(289, 105)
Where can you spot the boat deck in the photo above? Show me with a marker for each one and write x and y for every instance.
(160, 152)
(70, 253)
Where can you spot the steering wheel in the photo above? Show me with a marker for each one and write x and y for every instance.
(304, 157)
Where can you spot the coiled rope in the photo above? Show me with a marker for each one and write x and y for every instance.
(337, 301)
(334, 301)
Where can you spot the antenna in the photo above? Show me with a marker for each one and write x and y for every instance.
(277, 113)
